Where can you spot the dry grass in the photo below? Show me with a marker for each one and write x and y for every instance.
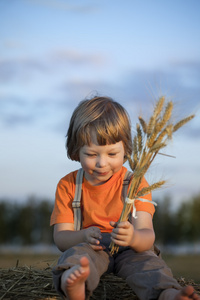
(27, 283)
(30, 283)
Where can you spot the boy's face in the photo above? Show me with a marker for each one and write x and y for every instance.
(101, 162)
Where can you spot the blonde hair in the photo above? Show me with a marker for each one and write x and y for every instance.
(103, 116)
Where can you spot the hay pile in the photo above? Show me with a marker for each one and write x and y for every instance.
(26, 283)
(30, 283)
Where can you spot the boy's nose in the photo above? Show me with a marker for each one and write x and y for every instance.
(101, 162)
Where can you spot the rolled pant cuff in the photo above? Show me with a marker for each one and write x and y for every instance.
(168, 294)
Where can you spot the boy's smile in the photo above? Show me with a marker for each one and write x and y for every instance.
(101, 162)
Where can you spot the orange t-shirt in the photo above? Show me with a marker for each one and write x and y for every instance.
(99, 204)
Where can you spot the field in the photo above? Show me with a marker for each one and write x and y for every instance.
(185, 268)
(40, 261)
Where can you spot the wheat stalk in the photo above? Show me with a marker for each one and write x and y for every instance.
(150, 138)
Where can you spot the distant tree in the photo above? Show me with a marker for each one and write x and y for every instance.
(194, 218)
(182, 225)
(183, 220)
(42, 231)
(164, 222)
(3, 222)
(26, 223)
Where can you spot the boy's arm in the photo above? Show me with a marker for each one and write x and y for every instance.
(65, 237)
(144, 235)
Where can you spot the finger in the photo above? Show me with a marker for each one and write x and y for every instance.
(118, 236)
(96, 232)
(114, 232)
(94, 241)
(96, 235)
(124, 224)
(97, 247)
(113, 224)
(119, 230)
(115, 236)
(119, 242)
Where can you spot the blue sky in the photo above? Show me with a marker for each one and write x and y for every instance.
(55, 53)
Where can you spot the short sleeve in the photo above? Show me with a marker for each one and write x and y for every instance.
(62, 211)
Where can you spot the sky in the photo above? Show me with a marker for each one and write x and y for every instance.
(55, 53)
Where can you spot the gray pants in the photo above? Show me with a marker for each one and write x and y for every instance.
(146, 273)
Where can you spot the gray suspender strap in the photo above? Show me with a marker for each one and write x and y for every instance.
(76, 204)
(126, 182)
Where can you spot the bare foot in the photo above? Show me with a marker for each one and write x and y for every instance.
(187, 293)
(73, 280)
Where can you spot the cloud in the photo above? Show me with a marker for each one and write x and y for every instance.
(11, 101)
(78, 88)
(62, 5)
(14, 119)
(136, 89)
(12, 44)
(188, 73)
(15, 111)
(77, 57)
(19, 69)
(183, 87)
(192, 65)
(45, 114)
(23, 69)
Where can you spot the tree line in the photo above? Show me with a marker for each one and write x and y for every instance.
(25, 223)
(28, 223)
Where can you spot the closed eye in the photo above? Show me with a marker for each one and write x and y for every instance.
(112, 154)
(90, 154)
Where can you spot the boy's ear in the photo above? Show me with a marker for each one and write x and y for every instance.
(125, 158)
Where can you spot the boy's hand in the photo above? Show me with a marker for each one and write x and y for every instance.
(93, 237)
(122, 234)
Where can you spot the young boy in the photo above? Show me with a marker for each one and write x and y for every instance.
(99, 137)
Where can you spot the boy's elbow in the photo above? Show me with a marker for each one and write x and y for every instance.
(151, 239)
(58, 241)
